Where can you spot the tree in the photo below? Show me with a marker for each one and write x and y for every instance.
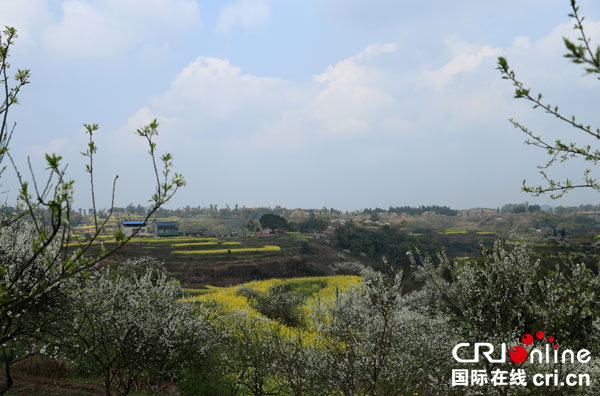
(273, 221)
(374, 341)
(132, 328)
(38, 258)
(251, 225)
(581, 53)
(507, 293)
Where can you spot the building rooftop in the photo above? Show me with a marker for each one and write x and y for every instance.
(134, 223)
(167, 224)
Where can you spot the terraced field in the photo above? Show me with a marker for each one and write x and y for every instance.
(197, 262)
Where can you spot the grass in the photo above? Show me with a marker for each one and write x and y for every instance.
(211, 243)
(268, 248)
(518, 242)
(169, 240)
(453, 231)
(194, 244)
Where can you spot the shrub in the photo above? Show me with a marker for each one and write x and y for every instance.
(278, 304)
(131, 329)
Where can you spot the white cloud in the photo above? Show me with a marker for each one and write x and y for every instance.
(463, 62)
(353, 98)
(369, 107)
(27, 16)
(96, 30)
(126, 134)
(243, 13)
(57, 146)
(213, 90)
(216, 102)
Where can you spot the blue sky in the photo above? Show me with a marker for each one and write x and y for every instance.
(338, 103)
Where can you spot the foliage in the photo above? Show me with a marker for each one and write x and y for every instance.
(277, 304)
(373, 344)
(580, 52)
(506, 294)
(229, 299)
(571, 223)
(267, 248)
(414, 211)
(38, 258)
(389, 241)
(312, 224)
(132, 329)
(273, 221)
(520, 208)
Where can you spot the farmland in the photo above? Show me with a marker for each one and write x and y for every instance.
(197, 261)
(299, 291)
(205, 258)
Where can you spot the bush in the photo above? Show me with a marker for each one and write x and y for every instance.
(133, 329)
(279, 304)
(507, 294)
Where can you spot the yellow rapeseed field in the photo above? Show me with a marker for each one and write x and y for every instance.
(268, 248)
(227, 300)
(194, 244)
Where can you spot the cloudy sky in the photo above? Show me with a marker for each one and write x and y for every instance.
(309, 103)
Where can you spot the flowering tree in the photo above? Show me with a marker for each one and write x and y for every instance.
(38, 258)
(582, 53)
(374, 344)
(132, 329)
(506, 294)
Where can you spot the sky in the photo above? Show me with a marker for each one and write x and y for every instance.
(311, 103)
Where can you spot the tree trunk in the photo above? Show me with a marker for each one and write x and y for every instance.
(8, 382)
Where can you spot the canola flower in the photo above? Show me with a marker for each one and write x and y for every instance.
(228, 302)
(210, 242)
(146, 240)
(267, 248)
(194, 244)
(172, 239)
(450, 231)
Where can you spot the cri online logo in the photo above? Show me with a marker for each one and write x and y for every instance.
(519, 354)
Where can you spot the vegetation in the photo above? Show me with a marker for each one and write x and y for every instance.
(69, 297)
(388, 241)
(36, 265)
(581, 53)
(312, 224)
(413, 211)
(267, 248)
(131, 329)
(273, 221)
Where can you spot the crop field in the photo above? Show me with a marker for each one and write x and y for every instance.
(201, 261)
(268, 248)
(452, 231)
(212, 243)
(228, 300)
(311, 290)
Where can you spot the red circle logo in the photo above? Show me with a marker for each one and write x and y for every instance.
(518, 354)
